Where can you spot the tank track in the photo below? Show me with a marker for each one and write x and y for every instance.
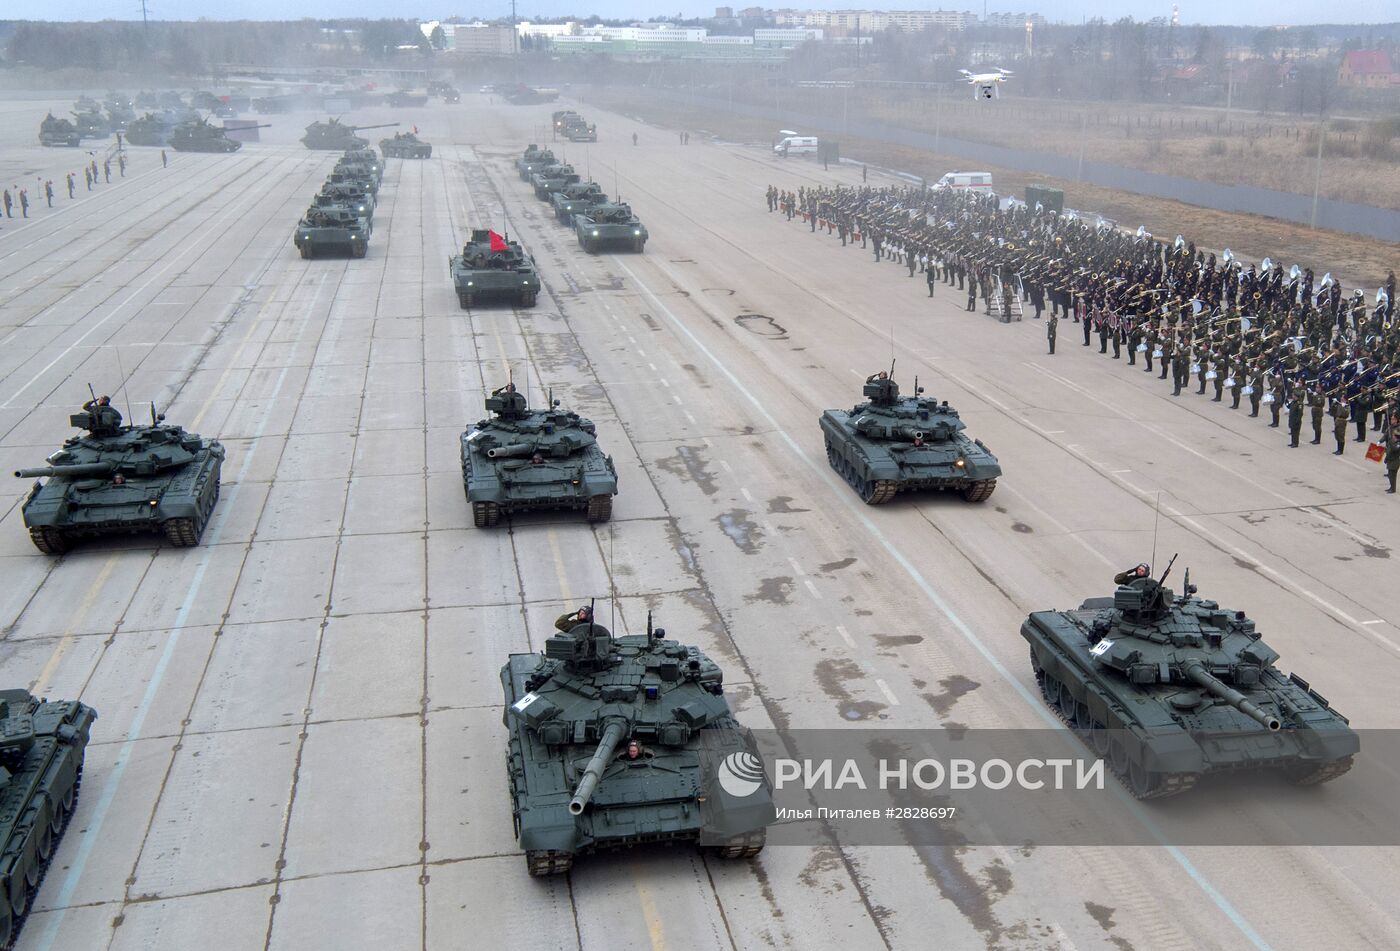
(980, 491)
(1322, 774)
(32, 891)
(485, 514)
(871, 491)
(542, 862)
(599, 508)
(1166, 784)
(744, 846)
(48, 540)
(182, 532)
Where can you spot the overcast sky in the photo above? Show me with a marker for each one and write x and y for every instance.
(1249, 12)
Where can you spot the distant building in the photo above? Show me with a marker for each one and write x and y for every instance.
(874, 21)
(1368, 69)
(785, 37)
(1014, 21)
(724, 13)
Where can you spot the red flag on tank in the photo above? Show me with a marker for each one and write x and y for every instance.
(497, 242)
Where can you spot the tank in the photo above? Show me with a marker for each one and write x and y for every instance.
(573, 199)
(534, 159)
(146, 99)
(118, 479)
(333, 228)
(150, 129)
(42, 749)
(503, 272)
(354, 176)
(86, 103)
(203, 99)
(201, 135)
(403, 98)
(891, 444)
(451, 95)
(610, 226)
(92, 125)
(617, 741)
(56, 132)
(523, 95)
(364, 161)
(1169, 688)
(353, 197)
(519, 459)
(119, 115)
(551, 178)
(577, 129)
(333, 134)
(405, 145)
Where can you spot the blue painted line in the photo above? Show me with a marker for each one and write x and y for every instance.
(1216, 897)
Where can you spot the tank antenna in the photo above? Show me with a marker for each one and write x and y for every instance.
(1156, 518)
(126, 398)
(92, 393)
(612, 582)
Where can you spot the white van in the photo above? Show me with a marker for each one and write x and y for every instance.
(961, 181)
(796, 145)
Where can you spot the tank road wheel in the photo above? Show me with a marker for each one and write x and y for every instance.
(1083, 719)
(980, 491)
(485, 514)
(1050, 690)
(182, 532)
(831, 459)
(1067, 704)
(1317, 775)
(542, 862)
(7, 929)
(19, 897)
(1117, 755)
(599, 508)
(1100, 739)
(43, 848)
(743, 846)
(48, 540)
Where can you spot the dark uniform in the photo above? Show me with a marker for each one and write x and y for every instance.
(1295, 420)
(1341, 415)
(1392, 454)
(1318, 405)
(1051, 329)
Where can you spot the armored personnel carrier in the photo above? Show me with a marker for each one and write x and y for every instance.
(42, 747)
(332, 227)
(619, 741)
(892, 444)
(405, 145)
(610, 225)
(575, 199)
(523, 95)
(150, 129)
(1168, 688)
(335, 135)
(534, 159)
(551, 178)
(55, 132)
(117, 479)
(521, 460)
(203, 136)
(364, 161)
(493, 267)
(577, 129)
(451, 95)
(354, 176)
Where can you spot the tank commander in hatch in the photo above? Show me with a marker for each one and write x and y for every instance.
(105, 416)
(1132, 574)
(572, 619)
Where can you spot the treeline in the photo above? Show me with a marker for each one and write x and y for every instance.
(195, 48)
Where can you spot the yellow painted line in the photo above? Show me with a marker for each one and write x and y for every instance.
(66, 641)
(655, 931)
(564, 590)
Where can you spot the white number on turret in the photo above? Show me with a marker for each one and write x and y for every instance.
(1099, 649)
(520, 705)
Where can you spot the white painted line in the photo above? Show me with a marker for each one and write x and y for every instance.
(846, 636)
(727, 466)
(689, 417)
(640, 351)
(812, 588)
(1379, 620)
(889, 694)
(745, 492)
(1121, 471)
(664, 382)
(653, 367)
(796, 567)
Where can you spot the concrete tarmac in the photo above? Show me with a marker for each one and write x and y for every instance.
(300, 743)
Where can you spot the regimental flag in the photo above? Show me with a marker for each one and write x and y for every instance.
(1375, 452)
(498, 243)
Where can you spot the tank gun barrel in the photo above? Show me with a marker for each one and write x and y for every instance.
(74, 471)
(382, 125)
(593, 772)
(510, 450)
(1198, 675)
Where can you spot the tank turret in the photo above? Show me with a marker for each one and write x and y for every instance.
(200, 135)
(616, 741)
(1171, 687)
(334, 134)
